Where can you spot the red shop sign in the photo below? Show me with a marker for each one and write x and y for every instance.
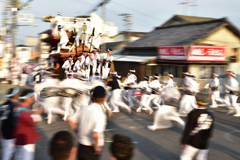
(171, 52)
(207, 53)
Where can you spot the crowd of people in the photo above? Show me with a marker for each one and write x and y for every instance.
(81, 34)
(19, 135)
(104, 96)
(91, 93)
(89, 121)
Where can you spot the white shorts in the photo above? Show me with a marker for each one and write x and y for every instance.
(189, 152)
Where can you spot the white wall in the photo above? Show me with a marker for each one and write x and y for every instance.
(23, 54)
(109, 29)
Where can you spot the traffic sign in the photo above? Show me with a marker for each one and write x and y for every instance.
(25, 18)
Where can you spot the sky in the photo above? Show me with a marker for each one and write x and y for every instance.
(146, 14)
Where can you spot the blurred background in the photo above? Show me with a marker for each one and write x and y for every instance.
(154, 36)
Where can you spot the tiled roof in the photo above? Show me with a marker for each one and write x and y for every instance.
(193, 18)
(115, 46)
(181, 34)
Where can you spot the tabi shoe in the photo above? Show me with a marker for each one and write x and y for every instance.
(150, 111)
(237, 115)
(231, 111)
(155, 107)
(152, 128)
(164, 126)
(138, 109)
(115, 111)
(183, 114)
(129, 110)
(213, 106)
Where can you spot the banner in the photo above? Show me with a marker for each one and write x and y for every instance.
(207, 53)
(172, 53)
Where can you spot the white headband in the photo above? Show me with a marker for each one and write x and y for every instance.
(132, 71)
(234, 75)
(113, 72)
(215, 74)
(170, 75)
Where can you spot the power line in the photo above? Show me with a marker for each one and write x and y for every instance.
(37, 12)
(92, 8)
(76, 1)
(139, 20)
(136, 11)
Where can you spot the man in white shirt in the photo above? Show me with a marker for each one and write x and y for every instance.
(233, 87)
(63, 40)
(68, 65)
(145, 90)
(75, 28)
(170, 82)
(215, 90)
(96, 62)
(78, 66)
(58, 20)
(106, 59)
(90, 122)
(155, 87)
(87, 64)
(187, 102)
(116, 99)
(131, 80)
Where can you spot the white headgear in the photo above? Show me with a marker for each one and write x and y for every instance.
(215, 74)
(133, 71)
(233, 74)
(170, 75)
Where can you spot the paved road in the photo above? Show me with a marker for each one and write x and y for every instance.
(157, 145)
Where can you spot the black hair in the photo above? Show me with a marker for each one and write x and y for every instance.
(122, 147)
(26, 91)
(99, 92)
(61, 145)
(202, 99)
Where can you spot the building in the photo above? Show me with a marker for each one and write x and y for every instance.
(119, 41)
(186, 43)
(23, 54)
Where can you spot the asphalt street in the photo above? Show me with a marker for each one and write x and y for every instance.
(150, 145)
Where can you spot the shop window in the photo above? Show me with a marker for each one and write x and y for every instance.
(170, 69)
(207, 71)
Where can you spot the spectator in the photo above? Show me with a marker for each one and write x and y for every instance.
(61, 146)
(25, 132)
(121, 148)
(6, 114)
(197, 131)
(90, 121)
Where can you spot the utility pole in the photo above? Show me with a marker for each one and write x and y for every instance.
(187, 3)
(103, 4)
(103, 27)
(14, 26)
(16, 6)
(194, 7)
(127, 18)
(3, 27)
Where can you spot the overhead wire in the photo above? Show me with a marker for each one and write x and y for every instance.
(139, 20)
(91, 8)
(136, 11)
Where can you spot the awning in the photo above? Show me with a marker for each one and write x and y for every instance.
(139, 59)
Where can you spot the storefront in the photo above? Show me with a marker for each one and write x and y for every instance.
(200, 60)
